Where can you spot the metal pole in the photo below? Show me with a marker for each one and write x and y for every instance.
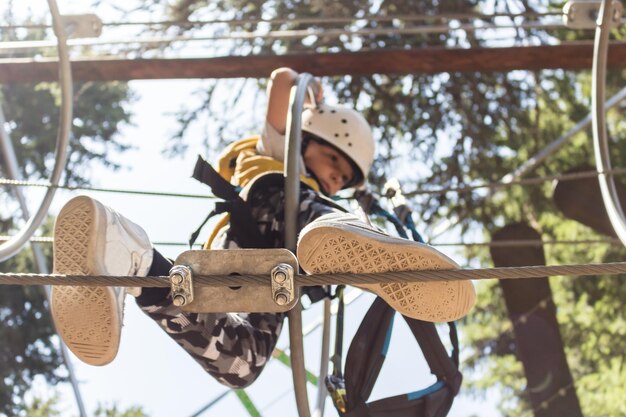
(13, 246)
(600, 140)
(293, 140)
(321, 381)
(12, 171)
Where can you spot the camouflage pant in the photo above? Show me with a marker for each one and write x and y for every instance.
(234, 347)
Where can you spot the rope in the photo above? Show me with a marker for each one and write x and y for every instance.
(308, 20)
(276, 34)
(50, 240)
(526, 181)
(561, 392)
(325, 279)
(458, 189)
(7, 181)
(531, 243)
(499, 244)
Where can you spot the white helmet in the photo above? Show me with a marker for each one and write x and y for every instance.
(344, 128)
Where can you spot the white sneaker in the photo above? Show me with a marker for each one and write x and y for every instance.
(340, 243)
(91, 239)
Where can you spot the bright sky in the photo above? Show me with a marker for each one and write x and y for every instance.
(151, 371)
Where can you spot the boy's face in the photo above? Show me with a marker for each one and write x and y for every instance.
(329, 166)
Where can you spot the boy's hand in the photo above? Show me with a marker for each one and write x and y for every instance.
(278, 91)
(318, 93)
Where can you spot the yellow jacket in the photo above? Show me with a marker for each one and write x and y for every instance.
(240, 164)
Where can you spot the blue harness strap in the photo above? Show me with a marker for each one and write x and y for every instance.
(365, 359)
(369, 347)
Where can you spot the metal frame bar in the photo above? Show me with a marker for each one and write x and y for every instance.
(600, 140)
(293, 139)
(13, 246)
(12, 171)
(321, 379)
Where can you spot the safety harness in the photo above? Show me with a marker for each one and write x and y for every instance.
(240, 169)
(350, 389)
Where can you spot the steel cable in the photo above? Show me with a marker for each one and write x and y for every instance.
(310, 20)
(458, 189)
(519, 272)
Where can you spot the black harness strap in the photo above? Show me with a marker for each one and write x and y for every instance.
(365, 359)
(367, 352)
(242, 223)
(445, 367)
(206, 174)
(369, 347)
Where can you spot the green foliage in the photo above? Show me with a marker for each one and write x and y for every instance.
(43, 408)
(100, 109)
(27, 335)
(112, 411)
(40, 407)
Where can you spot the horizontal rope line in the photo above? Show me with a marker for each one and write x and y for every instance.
(530, 243)
(497, 244)
(19, 183)
(309, 20)
(525, 181)
(275, 34)
(560, 393)
(49, 240)
(459, 189)
(326, 279)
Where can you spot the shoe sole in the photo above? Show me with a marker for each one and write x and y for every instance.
(86, 318)
(335, 248)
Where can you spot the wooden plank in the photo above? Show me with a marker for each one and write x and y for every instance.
(573, 56)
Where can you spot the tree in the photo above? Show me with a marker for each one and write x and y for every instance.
(112, 411)
(40, 407)
(28, 344)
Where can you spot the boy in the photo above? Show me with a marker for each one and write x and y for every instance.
(337, 152)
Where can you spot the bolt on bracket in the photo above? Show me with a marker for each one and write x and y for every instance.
(181, 281)
(82, 25)
(583, 14)
(283, 286)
